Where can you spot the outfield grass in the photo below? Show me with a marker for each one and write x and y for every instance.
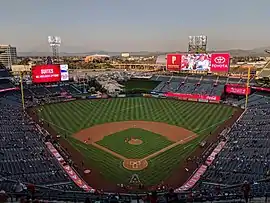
(152, 142)
(69, 118)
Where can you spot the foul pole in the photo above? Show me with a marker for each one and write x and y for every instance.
(247, 88)
(22, 93)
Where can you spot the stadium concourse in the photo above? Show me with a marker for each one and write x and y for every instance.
(30, 165)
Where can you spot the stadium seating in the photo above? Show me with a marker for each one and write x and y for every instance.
(246, 156)
(23, 155)
(206, 85)
(4, 80)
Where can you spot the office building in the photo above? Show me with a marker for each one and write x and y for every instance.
(8, 55)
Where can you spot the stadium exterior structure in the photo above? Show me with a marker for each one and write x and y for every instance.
(98, 57)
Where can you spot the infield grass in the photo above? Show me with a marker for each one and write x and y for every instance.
(69, 118)
(152, 142)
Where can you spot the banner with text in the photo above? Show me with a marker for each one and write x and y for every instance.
(193, 97)
(71, 173)
(237, 89)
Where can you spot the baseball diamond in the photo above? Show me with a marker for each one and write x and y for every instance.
(116, 137)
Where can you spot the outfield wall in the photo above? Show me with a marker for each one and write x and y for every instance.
(177, 96)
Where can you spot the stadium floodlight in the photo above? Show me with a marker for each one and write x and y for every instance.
(55, 43)
(197, 44)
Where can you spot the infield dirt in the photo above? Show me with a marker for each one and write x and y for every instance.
(98, 132)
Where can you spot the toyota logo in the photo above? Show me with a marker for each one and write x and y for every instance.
(220, 59)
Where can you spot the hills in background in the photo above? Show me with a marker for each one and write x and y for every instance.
(233, 52)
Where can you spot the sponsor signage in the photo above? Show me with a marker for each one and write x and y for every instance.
(49, 73)
(237, 89)
(212, 156)
(201, 170)
(193, 180)
(71, 173)
(173, 62)
(220, 62)
(9, 89)
(262, 89)
(46, 73)
(215, 62)
(193, 97)
(64, 72)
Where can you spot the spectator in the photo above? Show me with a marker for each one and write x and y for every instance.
(171, 197)
(246, 190)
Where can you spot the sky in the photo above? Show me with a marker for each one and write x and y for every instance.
(134, 25)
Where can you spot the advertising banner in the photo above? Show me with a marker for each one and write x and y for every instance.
(212, 156)
(220, 62)
(193, 97)
(71, 173)
(9, 89)
(266, 89)
(236, 89)
(64, 72)
(193, 180)
(215, 62)
(174, 62)
(46, 73)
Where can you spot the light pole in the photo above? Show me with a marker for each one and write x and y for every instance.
(55, 43)
(247, 87)
(22, 92)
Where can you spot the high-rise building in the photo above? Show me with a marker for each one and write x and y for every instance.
(8, 55)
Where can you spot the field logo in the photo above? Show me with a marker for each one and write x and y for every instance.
(135, 179)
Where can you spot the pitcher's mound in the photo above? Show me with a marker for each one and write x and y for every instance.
(135, 164)
(135, 141)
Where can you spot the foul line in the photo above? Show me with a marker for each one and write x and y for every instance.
(168, 147)
(108, 150)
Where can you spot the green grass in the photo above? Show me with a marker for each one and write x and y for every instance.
(69, 118)
(151, 143)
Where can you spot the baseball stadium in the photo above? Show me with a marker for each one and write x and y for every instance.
(132, 135)
(125, 136)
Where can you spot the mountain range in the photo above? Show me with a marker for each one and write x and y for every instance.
(233, 52)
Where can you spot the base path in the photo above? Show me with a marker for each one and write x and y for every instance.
(98, 132)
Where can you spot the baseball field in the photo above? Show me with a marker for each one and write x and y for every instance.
(125, 136)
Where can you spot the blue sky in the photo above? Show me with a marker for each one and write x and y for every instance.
(134, 25)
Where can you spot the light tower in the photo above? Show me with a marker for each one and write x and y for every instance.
(197, 44)
(55, 43)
